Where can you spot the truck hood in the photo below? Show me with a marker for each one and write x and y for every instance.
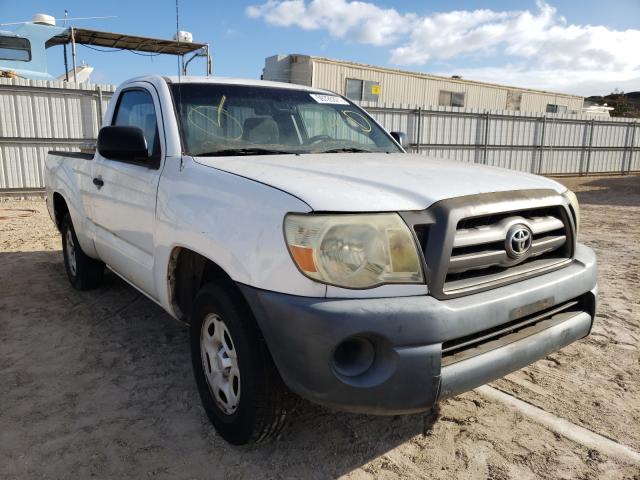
(360, 182)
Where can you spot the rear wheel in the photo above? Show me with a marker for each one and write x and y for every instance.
(84, 272)
(240, 389)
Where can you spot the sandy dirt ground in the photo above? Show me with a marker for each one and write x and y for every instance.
(99, 384)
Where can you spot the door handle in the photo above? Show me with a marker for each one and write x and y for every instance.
(98, 182)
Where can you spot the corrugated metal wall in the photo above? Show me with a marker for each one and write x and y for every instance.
(37, 116)
(549, 144)
(401, 87)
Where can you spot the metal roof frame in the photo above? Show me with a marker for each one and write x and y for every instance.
(84, 36)
(132, 43)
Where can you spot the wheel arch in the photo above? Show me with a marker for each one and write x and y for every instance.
(187, 272)
(60, 208)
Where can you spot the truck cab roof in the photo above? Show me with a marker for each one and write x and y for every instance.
(224, 81)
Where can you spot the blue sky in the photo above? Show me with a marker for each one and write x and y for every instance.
(531, 44)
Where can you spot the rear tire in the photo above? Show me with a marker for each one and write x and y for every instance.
(230, 356)
(84, 272)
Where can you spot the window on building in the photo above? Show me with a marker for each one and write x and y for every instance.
(354, 89)
(553, 108)
(371, 91)
(15, 48)
(366, 90)
(451, 99)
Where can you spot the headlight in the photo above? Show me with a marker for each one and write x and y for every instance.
(353, 251)
(573, 201)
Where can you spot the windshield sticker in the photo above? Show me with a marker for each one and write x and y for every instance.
(332, 99)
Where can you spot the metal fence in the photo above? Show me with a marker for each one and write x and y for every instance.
(548, 144)
(38, 116)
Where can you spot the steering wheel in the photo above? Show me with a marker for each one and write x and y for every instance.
(318, 138)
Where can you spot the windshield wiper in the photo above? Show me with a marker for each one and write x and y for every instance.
(347, 150)
(230, 152)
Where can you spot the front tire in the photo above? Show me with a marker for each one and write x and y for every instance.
(241, 391)
(84, 272)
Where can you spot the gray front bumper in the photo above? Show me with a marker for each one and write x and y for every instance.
(408, 332)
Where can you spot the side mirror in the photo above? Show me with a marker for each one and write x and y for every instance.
(401, 138)
(123, 143)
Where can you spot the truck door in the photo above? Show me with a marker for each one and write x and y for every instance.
(124, 201)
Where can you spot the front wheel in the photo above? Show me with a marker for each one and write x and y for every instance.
(241, 391)
(84, 272)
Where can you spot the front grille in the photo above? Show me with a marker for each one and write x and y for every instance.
(464, 239)
(486, 340)
(480, 254)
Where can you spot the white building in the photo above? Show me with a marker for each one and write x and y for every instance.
(361, 82)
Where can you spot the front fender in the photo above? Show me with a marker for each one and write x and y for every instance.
(233, 221)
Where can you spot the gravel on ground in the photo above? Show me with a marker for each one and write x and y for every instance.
(99, 383)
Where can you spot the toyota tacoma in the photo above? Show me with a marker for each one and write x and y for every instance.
(309, 253)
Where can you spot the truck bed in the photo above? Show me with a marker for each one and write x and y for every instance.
(81, 155)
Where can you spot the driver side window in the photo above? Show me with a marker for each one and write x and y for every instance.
(136, 109)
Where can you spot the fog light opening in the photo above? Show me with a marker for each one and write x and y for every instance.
(353, 357)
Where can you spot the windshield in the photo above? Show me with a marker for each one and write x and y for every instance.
(218, 119)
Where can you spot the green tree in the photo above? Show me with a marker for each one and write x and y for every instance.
(621, 105)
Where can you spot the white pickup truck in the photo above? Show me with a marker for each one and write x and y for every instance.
(310, 253)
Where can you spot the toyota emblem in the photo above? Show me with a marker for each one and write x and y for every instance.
(518, 241)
